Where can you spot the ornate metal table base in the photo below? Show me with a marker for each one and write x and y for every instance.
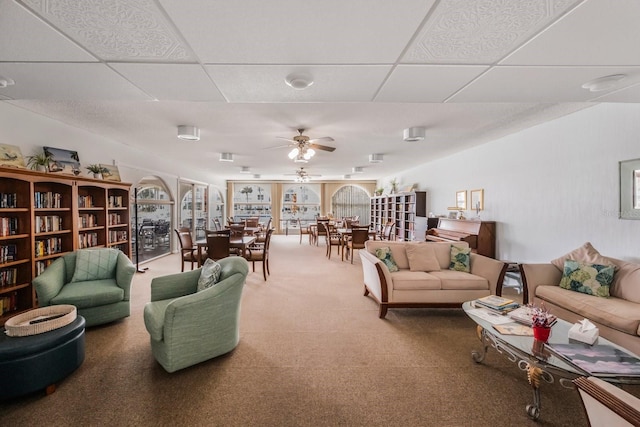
(533, 364)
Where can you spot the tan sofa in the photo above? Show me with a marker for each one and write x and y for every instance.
(617, 317)
(436, 288)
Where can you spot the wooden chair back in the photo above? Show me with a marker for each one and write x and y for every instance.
(218, 246)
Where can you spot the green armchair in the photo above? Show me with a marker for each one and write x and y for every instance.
(96, 281)
(189, 326)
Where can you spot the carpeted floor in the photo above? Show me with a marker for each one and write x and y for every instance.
(312, 353)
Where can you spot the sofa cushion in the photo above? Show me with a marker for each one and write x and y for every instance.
(459, 280)
(613, 312)
(460, 259)
(422, 257)
(397, 250)
(89, 294)
(412, 280)
(384, 255)
(95, 264)
(585, 253)
(626, 281)
(592, 279)
(209, 274)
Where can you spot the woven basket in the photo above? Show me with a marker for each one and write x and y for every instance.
(21, 326)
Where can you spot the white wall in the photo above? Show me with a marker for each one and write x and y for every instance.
(550, 188)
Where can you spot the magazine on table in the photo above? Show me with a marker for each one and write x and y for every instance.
(599, 360)
(524, 315)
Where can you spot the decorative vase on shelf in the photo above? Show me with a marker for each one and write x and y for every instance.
(97, 175)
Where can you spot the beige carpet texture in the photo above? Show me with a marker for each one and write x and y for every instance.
(312, 352)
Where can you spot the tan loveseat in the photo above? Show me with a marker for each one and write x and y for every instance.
(439, 287)
(617, 317)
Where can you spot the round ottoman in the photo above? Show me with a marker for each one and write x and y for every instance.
(37, 362)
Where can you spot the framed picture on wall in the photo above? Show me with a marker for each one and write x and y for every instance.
(63, 161)
(10, 155)
(112, 174)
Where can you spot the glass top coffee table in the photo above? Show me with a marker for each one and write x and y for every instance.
(534, 357)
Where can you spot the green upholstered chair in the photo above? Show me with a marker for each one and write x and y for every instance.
(96, 281)
(188, 326)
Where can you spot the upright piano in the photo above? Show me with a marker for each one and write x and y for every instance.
(481, 235)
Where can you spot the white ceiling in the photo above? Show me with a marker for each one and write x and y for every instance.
(470, 71)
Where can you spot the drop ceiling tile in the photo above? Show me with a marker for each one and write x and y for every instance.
(266, 83)
(595, 33)
(133, 30)
(294, 32)
(176, 82)
(23, 37)
(539, 84)
(67, 81)
(426, 83)
(481, 31)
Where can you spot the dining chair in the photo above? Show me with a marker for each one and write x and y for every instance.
(218, 246)
(237, 230)
(332, 238)
(321, 230)
(304, 229)
(259, 252)
(253, 221)
(385, 234)
(356, 241)
(262, 234)
(188, 251)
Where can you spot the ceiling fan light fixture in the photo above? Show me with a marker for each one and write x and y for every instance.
(300, 159)
(226, 157)
(376, 158)
(188, 133)
(299, 81)
(294, 153)
(414, 134)
(245, 169)
(603, 83)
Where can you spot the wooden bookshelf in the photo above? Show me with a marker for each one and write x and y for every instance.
(44, 216)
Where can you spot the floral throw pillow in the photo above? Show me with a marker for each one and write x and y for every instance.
(460, 259)
(209, 275)
(384, 255)
(591, 279)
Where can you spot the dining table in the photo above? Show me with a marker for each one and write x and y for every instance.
(241, 243)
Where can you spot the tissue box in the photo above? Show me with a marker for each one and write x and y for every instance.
(578, 333)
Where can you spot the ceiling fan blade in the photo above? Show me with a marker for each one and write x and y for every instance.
(287, 139)
(323, 147)
(278, 146)
(324, 138)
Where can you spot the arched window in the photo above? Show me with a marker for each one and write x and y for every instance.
(349, 201)
(151, 222)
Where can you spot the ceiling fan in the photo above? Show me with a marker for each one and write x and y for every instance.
(304, 147)
(302, 175)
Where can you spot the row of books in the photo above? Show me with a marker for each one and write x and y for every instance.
(117, 236)
(8, 277)
(49, 246)
(85, 201)
(41, 265)
(8, 200)
(9, 303)
(87, 220)
(8, 253)
(87, 240)
(47, 200)
(116, 202)
(48, 223)
(8, 226)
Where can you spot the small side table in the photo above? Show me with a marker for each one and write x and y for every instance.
(513, 272)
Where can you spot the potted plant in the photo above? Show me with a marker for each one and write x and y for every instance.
(97, 170)
(394, 186)
(379, 191)
(39, 162)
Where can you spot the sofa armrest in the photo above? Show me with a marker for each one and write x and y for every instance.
(124, 274)
(491, 269)
(174, 285)
(538, 274)
(49, 283)
(377, 277)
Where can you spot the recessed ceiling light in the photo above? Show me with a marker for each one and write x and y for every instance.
(414, 134)
(299, 81)
(603, 83)
(347, 177)
(357, 169)
(245, 169)
(226, 157)
(257, 176)
(376, 158)
(189, 133)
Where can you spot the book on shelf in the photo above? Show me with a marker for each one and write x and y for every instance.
(598, 360)
(496, 303)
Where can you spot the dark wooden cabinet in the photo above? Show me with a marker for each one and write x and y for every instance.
(45, 215)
